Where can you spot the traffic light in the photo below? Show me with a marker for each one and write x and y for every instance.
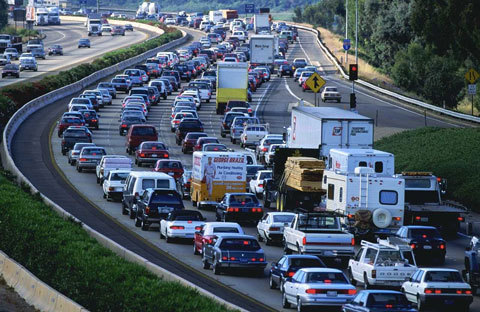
(353, 72)
(353, 101)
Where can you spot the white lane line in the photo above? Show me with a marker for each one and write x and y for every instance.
(308, 57)
(59, 39)
(261, 99)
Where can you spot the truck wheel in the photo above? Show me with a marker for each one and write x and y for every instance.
(366, 284)
(272, 283)
(350, 277)
(286, 250)
(299, 250)
(206, 265)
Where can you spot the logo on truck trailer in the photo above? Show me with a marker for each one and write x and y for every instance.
(337, 131)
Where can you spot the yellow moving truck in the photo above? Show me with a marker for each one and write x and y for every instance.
(217, 173)
(232, 83)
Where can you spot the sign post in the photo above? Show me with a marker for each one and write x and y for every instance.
(315, 83)
(472, 76)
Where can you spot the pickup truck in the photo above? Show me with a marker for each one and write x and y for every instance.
(252, 134)
(386, 263)
(321, 234)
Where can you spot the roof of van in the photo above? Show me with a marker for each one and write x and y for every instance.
(360, 152)
(330, 113)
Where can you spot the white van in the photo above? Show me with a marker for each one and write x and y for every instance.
(137, 182)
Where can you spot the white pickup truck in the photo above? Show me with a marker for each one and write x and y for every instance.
(321, 234)
(386, 263)
(252, 134)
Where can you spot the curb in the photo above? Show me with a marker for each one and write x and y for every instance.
(49, 98)
(34, 291)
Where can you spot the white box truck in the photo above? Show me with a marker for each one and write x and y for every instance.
(325, 128)
(232, 83)
(262, 49)
(215, 16)
(261, 22)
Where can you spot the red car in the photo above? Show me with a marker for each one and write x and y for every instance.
(149, 152)
(138, 134)
(210, 231)
(305, 87)
(188, 143)
(67, 122)
(204, 140)
(173, 168)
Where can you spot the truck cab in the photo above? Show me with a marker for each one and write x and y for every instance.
(361, 184)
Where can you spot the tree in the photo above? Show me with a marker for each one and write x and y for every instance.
(3, 13)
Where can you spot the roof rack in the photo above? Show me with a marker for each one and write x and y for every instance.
(389, 243)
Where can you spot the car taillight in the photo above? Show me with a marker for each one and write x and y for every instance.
(260, 185)
(264, 149)
(147, 209)
(253, 259)
(142, 155)
(233, 209)
(198, 228)
(442, 246)
(413, 246)
(352, 242)
(111, 188)
(397, 218)
(461, 219)
(429, 291)
(352, 291)
(313, 291)
(417, 218)
(83, 159)
(94, 120)
(468, 292)
(177, 227)
(272, 228)
(256, 209)
(438, 291)
(233, 258)
(165, 155)
(374, 273)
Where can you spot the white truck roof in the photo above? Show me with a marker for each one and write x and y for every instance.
(346, 160)
(333, 113)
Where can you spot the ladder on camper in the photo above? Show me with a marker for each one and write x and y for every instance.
(363, 191)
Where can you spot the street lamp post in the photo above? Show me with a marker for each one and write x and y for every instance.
(346, 31)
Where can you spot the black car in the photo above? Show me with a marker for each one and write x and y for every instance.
(185, 73)
(185, 126)
(55, 49)
(11, 70)
(127, 121)
(299, 63)
(156, 204)
(234, 252)
(426, 242)
(285, 70)
(269, 192)
(91, 118)
(239, 207)
(288, 265)
(72, 136)
(379, 301)
(227, 122)
(128, 27)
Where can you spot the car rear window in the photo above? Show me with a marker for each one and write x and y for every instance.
(243, 201)
(239, 244)
(159, 198)
(150, 183)
(93, 151)
(71, 120)
(326, 278)
(75, 133)
(154, 146)
(118, 80)
(443, 277)
(170, 164)
(424, 233)
(384, 299)
(283, 218)
(119, 176)
(191, 216)
(224, 229)
(143, 131)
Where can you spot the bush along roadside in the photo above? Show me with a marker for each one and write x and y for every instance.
(447, 152)
(15, 96)
(60, 253)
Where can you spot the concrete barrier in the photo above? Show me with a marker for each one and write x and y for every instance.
(63, 303)
(32, 290)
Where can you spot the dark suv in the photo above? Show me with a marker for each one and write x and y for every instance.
(156, 204)
(138, 134)
(185, 126)
(185, 73)
(72, 136)
(91, 118)
(188, 143)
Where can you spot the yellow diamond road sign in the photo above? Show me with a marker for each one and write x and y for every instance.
(472, 75)
(315, 82)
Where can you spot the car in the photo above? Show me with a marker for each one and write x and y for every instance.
(89, 157)
(204, 140)
(234, 103)
(379, 301)
(188, 143)
(75, 151)
(68, 121)
(234, 251)
(317, 287)
(330, 93)
(212, 230)
(55, 49)
(426, 242)
(173, 168)
(121, 84)
(270, 153)
(285, 70)
(4, 59)
(297, 73)
(27, 64)
(138, 134)
(264, 73)
(178, 118)
(127, 120)
(12, 53)
(149, 152)
(155, 205)
(91, 118)
(303, 78)
(135, 76)
(252, 134)
(185, 183)
(256, 183)
(106, 28)
(299, 63)
(111, 162)
(185, 126)
(181, 224)
(265, 143)
(270, 227)
(128, 27)
(38, 53)
(106, 96)
(215, 147)
(71, 136)
(114, 183)
(288, 265)
(110, 87)
(438, 287)
(84, 43)
(117, 31)
(239, 207)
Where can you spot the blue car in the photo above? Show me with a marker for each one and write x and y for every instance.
(379, 301)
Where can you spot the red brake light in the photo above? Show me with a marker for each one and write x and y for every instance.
(224, 258)
(177, 227)
(233, 258)
(83, 159)
(438, 291)
(289, 274)
(468, 292)
(253, 259)
(388, 306)
(413, 246)
(304, 240)
(327, 281)
(353, 242)
(442, 246)
(459, 292)
(264, 149)
(424, 236)
(147, 210)
(260, 185)
(261, 259)
(246, 242)
(198, 228)
(311, 291)
(417, 218)
(142, 155)
(352, 291)
(274, 229)
(428, 291)
(461, 219)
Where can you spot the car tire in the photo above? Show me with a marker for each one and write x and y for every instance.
(300, 308)
(259, 236)
(79, 169)
(268, 242)
(419, 303)
(222, 134)
(272, 283)
(366, 284)
(144, 225)
(138, 222)
(285, 303)
(168, 239)
(133, 214)
(216, 268)
(350, 277)
(195, 251)
(286, 250)
(206, 265)
(124, 210)
(98, 180)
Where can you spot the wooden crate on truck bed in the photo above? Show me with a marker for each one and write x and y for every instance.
(304, 173)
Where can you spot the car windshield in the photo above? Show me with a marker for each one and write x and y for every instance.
(170, 164)
(326, 278)
(283, 218)
(153, 146)
(443, 277)
(243, 201)
(424, 233)
(224, 229)
(313, 223)
(143, 131)
(191, 216)
(169, 199)
(239, 244)
(384, 299)
(119, 176)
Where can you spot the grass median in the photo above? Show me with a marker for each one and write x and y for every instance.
(449, 153)
(61, 253)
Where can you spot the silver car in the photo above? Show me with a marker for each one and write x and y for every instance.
(73, 153)
(12, 53)
(236, 129)
(89, 157)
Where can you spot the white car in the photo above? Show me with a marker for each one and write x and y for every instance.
(212, 230)
(252, 134)
(106, 28)
(239, 34)
(270, 227)
(114, 183)
(438, 287)
(271, 153)
(181, 224)
(256, 183)
(230, 59)
(4, 59)
(304, 76)
(178, 118)
(169, 21)
(265, 143)
(317, 287)
(331, 94)
(195, 95)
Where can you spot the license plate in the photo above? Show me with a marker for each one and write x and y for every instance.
(427, 247)
(154, 155)
(331, 293)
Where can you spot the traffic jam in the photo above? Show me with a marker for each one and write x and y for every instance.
(198, 164)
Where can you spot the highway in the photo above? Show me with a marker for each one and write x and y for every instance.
(67, 35)
(78, 193)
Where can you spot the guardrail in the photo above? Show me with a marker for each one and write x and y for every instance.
(394, 95)
(33, 106)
